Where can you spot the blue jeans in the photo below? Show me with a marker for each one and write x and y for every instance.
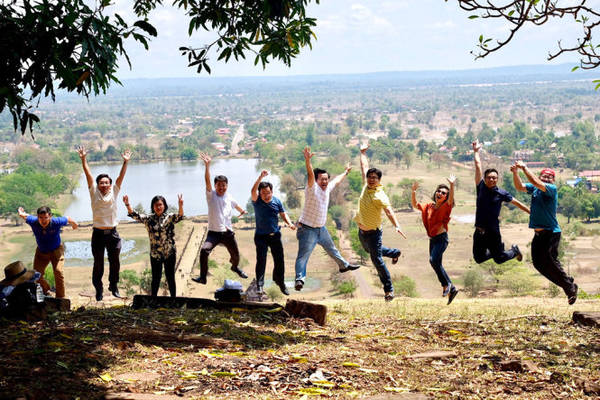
(437, 246)
(371, 242)
(308, 237)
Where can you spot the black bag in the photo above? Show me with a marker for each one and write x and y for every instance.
(231, 295)
(23, 299)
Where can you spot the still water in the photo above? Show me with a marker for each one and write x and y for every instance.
(168, 178)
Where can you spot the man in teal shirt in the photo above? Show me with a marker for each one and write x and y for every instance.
(544, 246)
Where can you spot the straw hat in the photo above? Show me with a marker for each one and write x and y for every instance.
(15, 274)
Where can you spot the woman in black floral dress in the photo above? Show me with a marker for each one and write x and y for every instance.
(161, 231)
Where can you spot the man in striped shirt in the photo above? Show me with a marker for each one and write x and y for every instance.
(372, 201)
(311, 225)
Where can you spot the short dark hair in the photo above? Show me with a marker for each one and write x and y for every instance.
(489, 171)
(319, 171)
(221, 178)
(44, 210)
(263, 185)
(375, 171)
(155, 200)
(103, 176)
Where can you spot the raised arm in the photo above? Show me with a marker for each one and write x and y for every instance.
(286, 218)
(521, 205)
(534, 180)
(451, 179)
(517, 179)
(22, 213)
(206, 158)
(310, 174)
(126, 201)
(254, 190)
(364, 162)
(86, 168)
(338, 179)
(478, 170)
(72, 222)
(126, 156)
(392, 217)
(413, 196)
(180, 202)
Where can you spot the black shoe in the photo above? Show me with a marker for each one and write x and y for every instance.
(573, 296)
(283, 288)
(389, 296)
(299, 285)
(452, 294)
(238, 271)
(200, 279)
(99, 296)
(260, 290)
(116, 294)
(518, 254)
(349, 267)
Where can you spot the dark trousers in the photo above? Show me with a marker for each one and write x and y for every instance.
(213, 239)
(157, 266)
(488, 244)
(110, 240)
(437, 246)
(544, 254)
(263, 242)
(371, 242)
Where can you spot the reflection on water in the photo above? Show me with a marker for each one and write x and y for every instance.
(79, 252)
(168, 178)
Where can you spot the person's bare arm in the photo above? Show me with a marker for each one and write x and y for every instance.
(126, 202)
(309, 169)
(254, 190)
(413, 196)
(364, 162)
(126, 155)
(338, 179)
(392, 217)
(86, 168)
(451, 179)
(517, 179)
(286, 218)
(240, 210)
(521, 205)
(478, 169)
(22, 213)
(180, 203)
(534, 180)
(72, 222)
(207, 159)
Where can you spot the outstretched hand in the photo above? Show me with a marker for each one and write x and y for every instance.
(263, 173)
(180, 199)
(307, 153)
(399, 230)
(206, 158)
(364, 147)
(415, 185)
(126, 200)
(126, 155)
(514, 168)
(451, 179)
(520, 164)
(82, 152)
(348, 168)
(476, 145)
(22, 212)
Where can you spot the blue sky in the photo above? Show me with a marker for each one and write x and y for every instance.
(357, 37)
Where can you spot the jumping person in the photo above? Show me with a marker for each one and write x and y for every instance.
(50, 249)
(311, 224)
(487, 241)
(372, 201)
(267, 209)
(161, 232)
(544, 246)
(103, 197)
(436, 216)
(220, 229)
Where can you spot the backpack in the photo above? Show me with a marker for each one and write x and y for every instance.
(23, 299)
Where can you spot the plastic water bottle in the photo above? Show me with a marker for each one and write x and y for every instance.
(39, 294)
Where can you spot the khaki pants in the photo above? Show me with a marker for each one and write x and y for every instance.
(57, 258)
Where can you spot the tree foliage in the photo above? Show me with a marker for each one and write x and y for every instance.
(72, 46)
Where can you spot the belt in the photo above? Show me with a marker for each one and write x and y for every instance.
(307, 226)
(106, 231)
(369, 231)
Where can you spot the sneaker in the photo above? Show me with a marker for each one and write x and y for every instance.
(260, 290)
(452, 294)
(116, 293)
(299, 285)
(283, 288)
(395, 259)
(573, 297)
(238, 271)
(446, 291)
(349, 267)
(518, 254)
(200, 279)
(389, 296)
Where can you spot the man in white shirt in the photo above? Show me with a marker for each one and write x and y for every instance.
(220, 229)
(103, 196)
(311, 225)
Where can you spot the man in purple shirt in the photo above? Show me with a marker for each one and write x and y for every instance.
(50, 249)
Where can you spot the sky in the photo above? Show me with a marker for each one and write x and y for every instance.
(358, 36)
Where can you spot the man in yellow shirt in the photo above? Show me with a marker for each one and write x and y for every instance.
(372, 201)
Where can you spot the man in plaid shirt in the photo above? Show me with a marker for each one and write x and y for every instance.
(311, 225)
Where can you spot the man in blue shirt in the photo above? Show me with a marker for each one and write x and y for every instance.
(267, 210)
(544, 246)
(487, 241)
(50, 249)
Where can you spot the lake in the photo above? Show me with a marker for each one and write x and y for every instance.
(168, 178)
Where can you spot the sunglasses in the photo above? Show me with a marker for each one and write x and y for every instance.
(442, 192)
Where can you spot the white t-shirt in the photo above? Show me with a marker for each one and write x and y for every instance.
(220, 210)
(316, 203)
(104, 208)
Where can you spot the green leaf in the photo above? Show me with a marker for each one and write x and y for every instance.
(145, 26)
(473, 16)
(574, 68)
(480, 38)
